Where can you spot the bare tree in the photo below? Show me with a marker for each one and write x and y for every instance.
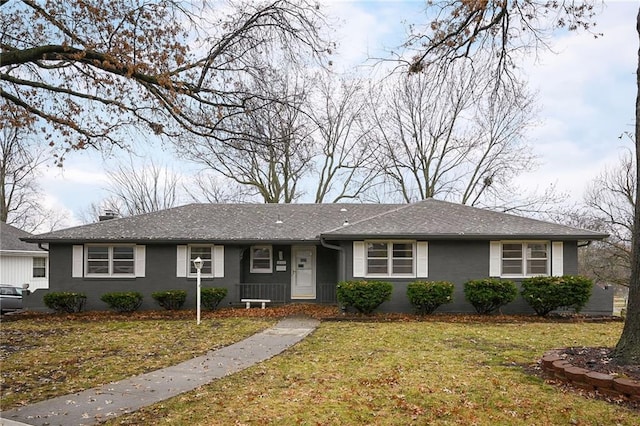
(344, 162)
(500, 28)
(140, 189)
(273, 148)
(97, 71)
(21, 159)
(611, 200)
(209, 187)
(461, 28)
(446, 134)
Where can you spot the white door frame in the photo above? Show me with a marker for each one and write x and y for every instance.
(312, 294)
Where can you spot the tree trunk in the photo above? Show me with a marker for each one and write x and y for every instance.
(627, 350)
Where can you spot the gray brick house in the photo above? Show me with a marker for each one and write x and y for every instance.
(299, 252)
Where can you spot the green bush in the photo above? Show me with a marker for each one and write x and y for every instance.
(125, 301)
(546, 294)
(489, 294)
(211, 297)
(64, 301)
(427, 296)
(365, 296)
(170, 299)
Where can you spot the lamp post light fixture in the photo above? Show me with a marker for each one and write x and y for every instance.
(197, 263)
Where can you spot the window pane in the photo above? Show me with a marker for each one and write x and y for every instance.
(98, 252)
(512, 267)
(377, 250)
(123, 252)
(261, 258)
(537, 267)
(537, 251)
(98, 267)
(512, 251)
(377, 266)
(123, 267)
(403, 250)
(203, 253)
(403, 266)
(261, 264)
(261, 253)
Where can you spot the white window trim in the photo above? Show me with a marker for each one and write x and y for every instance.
(189, 261)
(390, 274)
(261, 270)
(525, 258)
(110, 274)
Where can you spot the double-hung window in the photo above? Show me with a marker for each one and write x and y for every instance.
(261, 259)
(104, 260)
(387, 258)
(525, 258)
(39, 267)
(205, 253)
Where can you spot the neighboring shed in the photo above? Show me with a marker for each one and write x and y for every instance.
(21, 262)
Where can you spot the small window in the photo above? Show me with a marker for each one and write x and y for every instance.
(205, 253)
(103, 260)
(39, 267)
(525, 259)
(261, 259)
(390, 258)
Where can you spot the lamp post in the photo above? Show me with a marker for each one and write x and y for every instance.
(197, 263)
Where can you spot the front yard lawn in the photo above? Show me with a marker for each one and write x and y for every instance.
(442, 370)
(48, 356)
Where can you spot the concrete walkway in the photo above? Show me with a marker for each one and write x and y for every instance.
(98, 404)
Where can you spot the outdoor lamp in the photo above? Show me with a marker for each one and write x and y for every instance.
(197, 263)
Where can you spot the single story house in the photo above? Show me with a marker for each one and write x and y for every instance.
(21, 262)
(299, 252)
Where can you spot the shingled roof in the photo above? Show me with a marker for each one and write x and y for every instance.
(307, 222)
(10, 240)
(437, 219)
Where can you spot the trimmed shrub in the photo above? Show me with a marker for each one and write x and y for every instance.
(211, 297)
(65, 301)
(125, 301)
(363, 295)
(171, 300)
(546, 294)
(427, 296)
(489, 294)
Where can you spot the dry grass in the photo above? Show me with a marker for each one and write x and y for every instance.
(47, 356)
(385, 370)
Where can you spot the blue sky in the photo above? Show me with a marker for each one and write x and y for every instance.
(585, 93)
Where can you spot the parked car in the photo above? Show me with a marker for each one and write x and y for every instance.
(10, 298)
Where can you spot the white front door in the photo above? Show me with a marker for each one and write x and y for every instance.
(303, 272)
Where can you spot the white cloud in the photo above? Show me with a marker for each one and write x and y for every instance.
(587, 99)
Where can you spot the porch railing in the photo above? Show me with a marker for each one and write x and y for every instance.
(279, 292)
(326, 293)
(276, 292)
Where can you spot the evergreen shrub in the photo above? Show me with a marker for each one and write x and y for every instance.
(489, 294)
(365, 296)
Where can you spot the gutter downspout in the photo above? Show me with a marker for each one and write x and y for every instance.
(342, 260)
(42, 248)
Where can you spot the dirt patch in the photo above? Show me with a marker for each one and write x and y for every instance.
(599, 360)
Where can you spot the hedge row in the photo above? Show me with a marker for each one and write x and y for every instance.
(543, 294)
(130, 301)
